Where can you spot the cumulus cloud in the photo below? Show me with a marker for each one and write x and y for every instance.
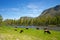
(34, 9)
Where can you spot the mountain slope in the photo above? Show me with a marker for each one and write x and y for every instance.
(51, 11)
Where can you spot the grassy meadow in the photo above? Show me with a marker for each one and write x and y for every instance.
(9, 33)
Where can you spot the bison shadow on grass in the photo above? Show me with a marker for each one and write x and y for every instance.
(15, 29)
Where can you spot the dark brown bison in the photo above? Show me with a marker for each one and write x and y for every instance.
(47, 31)
(37, 28)
(21, 31)
(27, 28)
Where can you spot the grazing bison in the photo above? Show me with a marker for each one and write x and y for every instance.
(21, 31)
(47, 31)
(15, 27)
(27, 28)
(37, 28)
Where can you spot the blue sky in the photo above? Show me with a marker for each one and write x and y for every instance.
(14, 9)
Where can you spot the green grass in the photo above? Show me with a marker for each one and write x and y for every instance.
(8, 33)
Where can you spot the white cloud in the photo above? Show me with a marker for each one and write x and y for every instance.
(32, 6)
(32, 15)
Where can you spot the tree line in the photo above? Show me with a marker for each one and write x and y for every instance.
(38, 21)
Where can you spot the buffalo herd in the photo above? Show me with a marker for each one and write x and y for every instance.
(45, 30)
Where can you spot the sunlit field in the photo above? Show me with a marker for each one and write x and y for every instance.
(9, 33)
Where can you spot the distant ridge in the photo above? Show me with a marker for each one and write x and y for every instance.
(51, 11)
